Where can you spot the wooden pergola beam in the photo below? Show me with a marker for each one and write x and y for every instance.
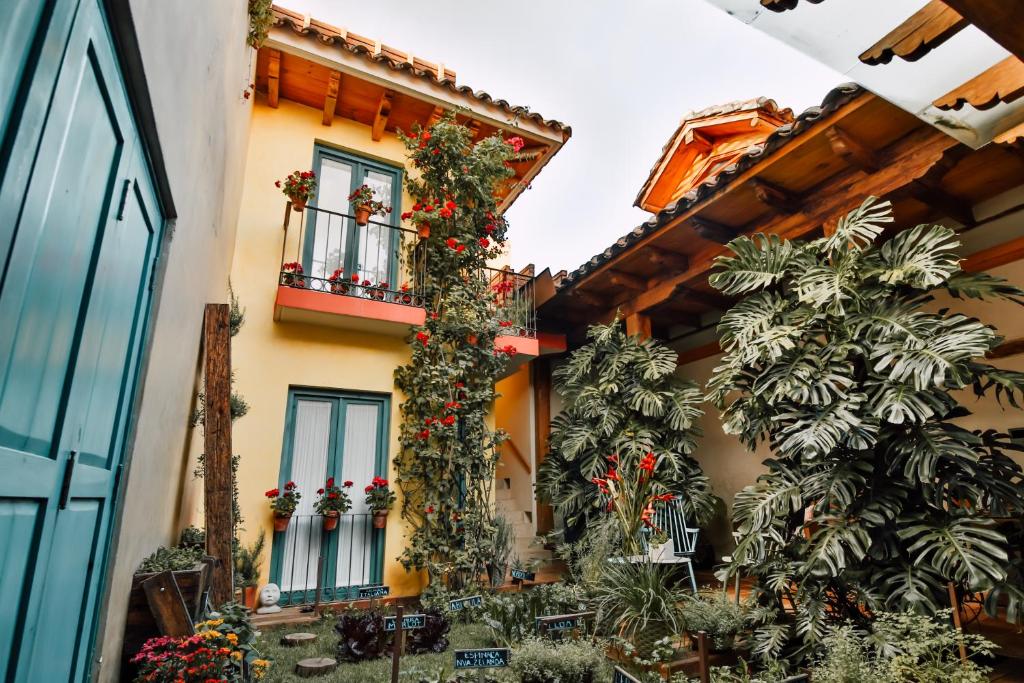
(331, 97)
(1002, 83)
(273, 77)
(1000, 19)
(852, 151)
(926, 29)
(699, 353)
(380, 119)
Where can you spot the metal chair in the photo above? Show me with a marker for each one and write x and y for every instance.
(671, 519)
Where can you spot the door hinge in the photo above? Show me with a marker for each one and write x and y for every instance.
(124, 199)
(65, 485)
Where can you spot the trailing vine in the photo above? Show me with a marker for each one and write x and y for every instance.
(448, 453)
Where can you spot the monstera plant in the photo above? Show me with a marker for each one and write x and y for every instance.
(841, 358)
(623, 402)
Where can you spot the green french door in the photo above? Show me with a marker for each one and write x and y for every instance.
(340, 435)
(333, 240)
(80, 227)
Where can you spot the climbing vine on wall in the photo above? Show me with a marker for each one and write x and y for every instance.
(448, 453)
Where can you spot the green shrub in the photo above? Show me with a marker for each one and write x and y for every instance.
(567, 661)
(512, 616)
(640, 599)
(716, 614)
(900, 648)
(170, 559)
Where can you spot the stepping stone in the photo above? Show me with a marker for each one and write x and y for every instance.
(295, 639)
(315, 666)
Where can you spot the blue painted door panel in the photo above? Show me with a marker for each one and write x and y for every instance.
(74, 299)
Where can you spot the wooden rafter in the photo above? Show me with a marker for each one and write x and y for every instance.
(852, 150)
(907, 159)
(716, 232)
(662, 258)
(1011, 347)
(993, 257)
(273, 77)
(588, 299)
(699, 353)
(937, 198)
(435, 116)
(775, 196)
(929, 27)
(620, 279)
(1004, 83)
(331, 97)
(1000, 19)
(380, 119)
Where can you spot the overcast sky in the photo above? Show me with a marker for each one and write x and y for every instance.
(622, 73)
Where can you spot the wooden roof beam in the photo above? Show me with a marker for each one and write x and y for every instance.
(434, 117)
(926, 29)
(588, 299)
(1000, 19)
(775, 196)
(1003, 82)
(273, 77)
(621, 279)
(934, 196)
(852, 151)
(331, 98)
(715, 232)
(663, 258)
(380, 120)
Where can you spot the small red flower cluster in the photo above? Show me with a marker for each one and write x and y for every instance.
(516, 143)
(293, 267)
(378, 482)
(507, 350)
(423, 338)
(298, 186)
(455, 245)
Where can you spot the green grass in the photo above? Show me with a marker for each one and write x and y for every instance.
(413, 667)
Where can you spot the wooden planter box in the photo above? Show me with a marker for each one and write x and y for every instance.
(140, 625)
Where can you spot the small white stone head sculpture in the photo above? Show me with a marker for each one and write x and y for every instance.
(269, 595)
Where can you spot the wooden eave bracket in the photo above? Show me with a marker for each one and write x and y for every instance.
(926, 29)
(273, 77)
(715, 232)
(621, 279)
(1002, 83)
(852, 151)
(331, 97)
(380, 120)
(776, 197)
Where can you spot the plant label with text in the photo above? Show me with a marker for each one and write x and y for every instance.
(523, 575)
(409, 622)
(484, 658)
(462, 603)
(374, 592)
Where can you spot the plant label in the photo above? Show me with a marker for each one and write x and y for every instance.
(485, 658)
(374, 592)
(523, 575)
(563, 622)
(463, 603)
(409, 622)
(621, 676)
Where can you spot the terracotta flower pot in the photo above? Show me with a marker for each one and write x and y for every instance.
(362, 215)
(281, 521)
(331, 520)
(423, 230)
(380, 519)
(339, 288)
(249, 594)
(298, 203)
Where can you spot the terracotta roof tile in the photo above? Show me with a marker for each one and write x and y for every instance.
(372, 51)
(835, 98)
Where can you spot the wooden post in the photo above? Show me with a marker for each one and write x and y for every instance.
(955, 604)
(542, 429)
(396, 649)
(702, 656)
(638, 324)
(217, 449)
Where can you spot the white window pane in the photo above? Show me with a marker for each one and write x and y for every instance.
(358, 466)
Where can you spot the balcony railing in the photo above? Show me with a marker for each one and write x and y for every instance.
(327, 566)
(329, 252)
(514, 303)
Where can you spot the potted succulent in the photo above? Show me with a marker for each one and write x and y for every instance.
(379, 498)
(283, 504)
(332, 503)
(299, 187)
(339, 285)
(364, 205)
(291, 275)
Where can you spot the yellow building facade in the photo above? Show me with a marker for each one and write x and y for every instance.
(315, 360)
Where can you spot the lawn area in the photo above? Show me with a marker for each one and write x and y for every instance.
(414, 667)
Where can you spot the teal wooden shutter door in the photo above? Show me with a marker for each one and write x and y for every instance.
(74, 299)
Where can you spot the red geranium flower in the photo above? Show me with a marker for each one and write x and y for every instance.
(445, 213)
(367, 489)
(426, 135)
(422, 337)
(484, 242)
(347, 484)
(450, 205)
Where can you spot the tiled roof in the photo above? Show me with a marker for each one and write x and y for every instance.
(764, 103)
(836, 98)
(375, 51)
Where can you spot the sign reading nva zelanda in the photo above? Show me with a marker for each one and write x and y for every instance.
(486, 658)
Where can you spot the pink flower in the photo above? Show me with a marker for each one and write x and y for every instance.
(516, 143)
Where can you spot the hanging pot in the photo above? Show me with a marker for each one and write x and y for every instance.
(249, 596)
(380, 519)
(298, 203)
(281, 521)
(423, 230)
(331, 520)
(362, 214)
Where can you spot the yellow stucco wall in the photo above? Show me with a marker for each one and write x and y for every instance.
(268, 357)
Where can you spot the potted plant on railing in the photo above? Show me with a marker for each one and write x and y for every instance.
(332, 503)
(379, 291)
(339, 284)
(404, 296)
(291, 275)
(426, 212)
(299, 187)
(283, 504)
(379, 498)
(364, 205)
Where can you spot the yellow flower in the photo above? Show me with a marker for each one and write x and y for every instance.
(210, 635)
(237, 654)
(232, 638)
(259, 668)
